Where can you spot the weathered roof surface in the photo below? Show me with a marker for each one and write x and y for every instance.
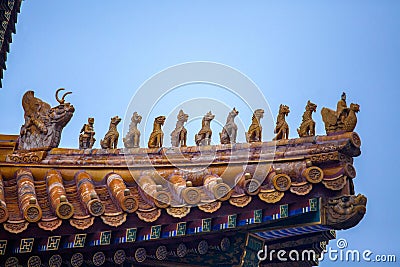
(9, 10)
(66, 200)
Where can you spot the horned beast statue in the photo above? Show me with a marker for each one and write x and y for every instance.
(43, 123)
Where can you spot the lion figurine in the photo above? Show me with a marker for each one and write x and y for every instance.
(307, 127)
(157, 135)
(229, 132)
(203, 138)
(255, 130)
(179, 134)
(132, 138)
(282, 128)
(111, 138)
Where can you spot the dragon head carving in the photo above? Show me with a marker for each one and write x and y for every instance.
(43, 123)
(346, 211)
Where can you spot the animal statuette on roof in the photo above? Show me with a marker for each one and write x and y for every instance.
(43, 123)
(132, 138)
(203, 138)
(229, 132)
(282, 128)
(157, 135)
(111, 138)
(307, 127)
(86, 137)
(179, 134)
(344, 119)
(255, 130)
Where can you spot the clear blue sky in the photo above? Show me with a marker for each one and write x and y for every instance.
(104, 50)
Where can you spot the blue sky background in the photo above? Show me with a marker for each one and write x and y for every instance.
(104, 50)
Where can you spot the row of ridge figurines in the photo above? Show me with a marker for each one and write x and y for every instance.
(344, 119)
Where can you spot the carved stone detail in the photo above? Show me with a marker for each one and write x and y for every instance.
(119, 256)
(229, 132)
(313, 174)
(350, 171)
(149, 216)
(50, 225)
(178, 212)
(336, 184)
(281, 182)
(210, 207)
(331, 156)
(181, 250)
(179, 134)
(34, 261)
(98, 258)
(86, 137)
(282, 128)
(157, 135)
(344, 212)
(203, 137)
(16, 228)
(191, 195)
(111, 138)
(254, 134)
(307, 127)
(271, 196)
(241, 201)
(12, 262)
(343, 119)
(114, 221)
(132, 138)
(301, 190)
(82, 224)
(26, 157)
(76, 260)
(140, 255)
(55, 261)
(43, 124)
(161, 253)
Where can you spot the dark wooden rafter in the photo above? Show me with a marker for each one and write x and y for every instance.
(9, 10)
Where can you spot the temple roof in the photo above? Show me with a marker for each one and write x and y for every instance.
(116, 197)
(9, 10)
